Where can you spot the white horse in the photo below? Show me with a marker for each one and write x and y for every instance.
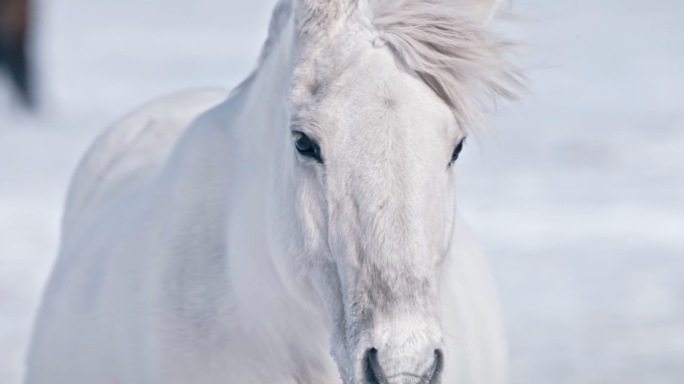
(300, 229)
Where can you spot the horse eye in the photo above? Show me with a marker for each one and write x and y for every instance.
(307, 147)
(457, 151)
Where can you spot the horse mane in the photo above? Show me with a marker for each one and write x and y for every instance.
(458, 57)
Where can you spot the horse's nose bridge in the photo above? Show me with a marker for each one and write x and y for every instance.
(399, 305)
(394, 286)
(396, 275)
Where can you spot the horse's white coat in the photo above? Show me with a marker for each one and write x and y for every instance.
(199, 247)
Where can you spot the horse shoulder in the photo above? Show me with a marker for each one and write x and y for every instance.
(107, 248)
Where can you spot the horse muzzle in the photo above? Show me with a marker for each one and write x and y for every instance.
(400, 353)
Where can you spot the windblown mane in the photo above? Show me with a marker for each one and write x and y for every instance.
(456, 56)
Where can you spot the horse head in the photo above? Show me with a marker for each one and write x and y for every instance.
(382, 96)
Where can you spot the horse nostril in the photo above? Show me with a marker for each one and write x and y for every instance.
(374, 373)
(432, 376)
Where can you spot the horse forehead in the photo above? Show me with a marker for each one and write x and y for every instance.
(368, 96)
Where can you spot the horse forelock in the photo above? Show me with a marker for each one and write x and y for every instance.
(452, 51)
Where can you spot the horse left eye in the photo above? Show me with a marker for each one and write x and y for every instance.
(308, 147)
(457, 151)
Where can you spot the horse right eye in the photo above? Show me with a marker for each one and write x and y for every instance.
(456, 152)
(307, 147)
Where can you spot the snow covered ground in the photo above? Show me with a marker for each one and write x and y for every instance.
(577, 193)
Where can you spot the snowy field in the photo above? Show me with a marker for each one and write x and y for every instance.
(577, 192)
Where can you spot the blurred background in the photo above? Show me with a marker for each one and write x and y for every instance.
(577, 192)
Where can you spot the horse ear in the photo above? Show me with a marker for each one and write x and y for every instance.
(481, 10)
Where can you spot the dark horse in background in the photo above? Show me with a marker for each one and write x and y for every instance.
(14, 57)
